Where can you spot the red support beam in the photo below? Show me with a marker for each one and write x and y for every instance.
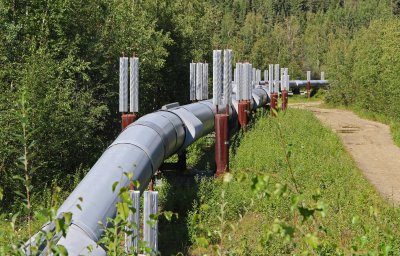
(248, 112)
(242, 115)
(284, 99)
(151, 183)
(221, 144)
(127, 119)
(274, 103)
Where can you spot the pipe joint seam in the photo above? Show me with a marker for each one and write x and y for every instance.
(141, 147)
(158, 130)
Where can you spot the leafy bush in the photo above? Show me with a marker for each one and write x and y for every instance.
(370, 81)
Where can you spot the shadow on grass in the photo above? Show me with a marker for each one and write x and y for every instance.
(181, 191)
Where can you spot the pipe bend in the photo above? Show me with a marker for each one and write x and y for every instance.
(168, 126)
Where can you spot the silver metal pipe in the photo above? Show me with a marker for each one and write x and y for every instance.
(303, 83)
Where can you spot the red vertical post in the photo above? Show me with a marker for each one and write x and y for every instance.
(273, 103)
(284, 99)
(242, 115)
(151, 183)
(221, 144)
(127, 119)
(248, 112)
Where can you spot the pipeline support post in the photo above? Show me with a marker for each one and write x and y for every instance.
(274, 103)
(182, 161)
(284, 99)
(180, 165)
(150, 187)
(150, 229)
(127, 119)
(221, 144)
(132, 238)
(308, 84)
(242, 115)
(248, 110)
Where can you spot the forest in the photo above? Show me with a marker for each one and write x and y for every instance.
(59, 68)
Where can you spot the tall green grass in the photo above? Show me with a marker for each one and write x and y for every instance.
(293, 189)
(316, 95)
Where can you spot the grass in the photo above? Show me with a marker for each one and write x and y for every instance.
(45, 198)
(303, 99)
(179, 192)
(253, 214)
(10, 237)
(317, 95)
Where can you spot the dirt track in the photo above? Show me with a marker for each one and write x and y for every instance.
(370, 144)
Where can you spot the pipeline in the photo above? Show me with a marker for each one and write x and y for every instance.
(303, 83)
(140, 149)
